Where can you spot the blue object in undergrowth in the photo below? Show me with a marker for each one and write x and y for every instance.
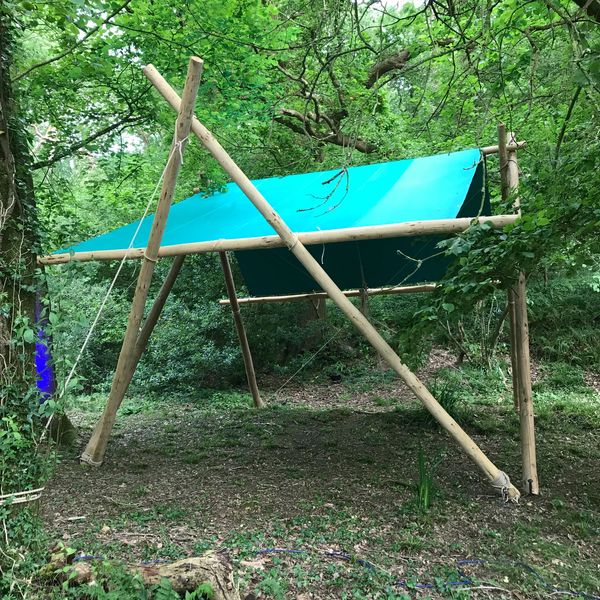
(46, 382)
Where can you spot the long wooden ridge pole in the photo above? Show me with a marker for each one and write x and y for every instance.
(498, 478)
(96, 447)
(405, 289)
(519, 327)
(241, 331)
(351, 234)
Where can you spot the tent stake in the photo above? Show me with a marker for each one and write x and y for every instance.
(498, 478)
(96, 447)
(241, 330)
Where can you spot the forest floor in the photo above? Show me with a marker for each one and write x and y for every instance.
(333, 467)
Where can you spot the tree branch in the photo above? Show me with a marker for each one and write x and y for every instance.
(68, 51)
(590, 7)
(392, 63)
(68, 151)
(335, 136)
(563, 129)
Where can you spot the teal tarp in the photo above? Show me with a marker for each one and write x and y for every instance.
(435, 187)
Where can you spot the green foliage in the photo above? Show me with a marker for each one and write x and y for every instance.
(450, 395)
(425, 488)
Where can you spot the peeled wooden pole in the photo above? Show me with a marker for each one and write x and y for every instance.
(405, 289)
(531, 483)
(96, 447)
(241, 331)
(514, 145)
(148, 327)
(498, 478)
(517, 298)
(156, 310)
(512, 316)
(331, 236)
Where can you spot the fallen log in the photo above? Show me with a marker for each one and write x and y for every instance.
(213, 570)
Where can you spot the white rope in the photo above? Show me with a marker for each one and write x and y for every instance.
(307, 362)
(176, 148)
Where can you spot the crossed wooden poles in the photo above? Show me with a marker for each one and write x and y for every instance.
(137, 335)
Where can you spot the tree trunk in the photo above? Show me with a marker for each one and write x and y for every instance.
(18, 233)
(19, 239)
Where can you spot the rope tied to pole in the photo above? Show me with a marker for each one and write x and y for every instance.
(152, 260)
(502, 483)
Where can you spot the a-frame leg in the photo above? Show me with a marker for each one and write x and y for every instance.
(96, 447)
(148, 326)
(519, 327)
(498, 478)
(522, 389)
(241, 330)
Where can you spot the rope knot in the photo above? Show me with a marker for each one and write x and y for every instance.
(502, 483)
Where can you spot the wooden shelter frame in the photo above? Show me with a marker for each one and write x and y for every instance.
(138, 334)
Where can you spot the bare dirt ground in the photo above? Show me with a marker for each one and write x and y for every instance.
(333, 467)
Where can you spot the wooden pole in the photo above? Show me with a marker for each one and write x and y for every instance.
(241, 331)
(406, 289)
(148, 327)
(96, 447)
(350, 234)
(513, 145)
(512, 315)
(364, 301)
(156, 310)
(531, 483)
(498, 478)
(524, 393)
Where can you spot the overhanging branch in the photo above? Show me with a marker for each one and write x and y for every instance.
(68, 51)
(391, 63)
(59, 155)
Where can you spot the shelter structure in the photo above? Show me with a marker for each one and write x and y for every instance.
(368, 230)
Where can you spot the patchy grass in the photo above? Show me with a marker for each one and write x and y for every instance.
(332, 469)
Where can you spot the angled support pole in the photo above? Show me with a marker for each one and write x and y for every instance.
(148, 326)
(498, 478)
(519, 327)
(241, 330)
(96, 447)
